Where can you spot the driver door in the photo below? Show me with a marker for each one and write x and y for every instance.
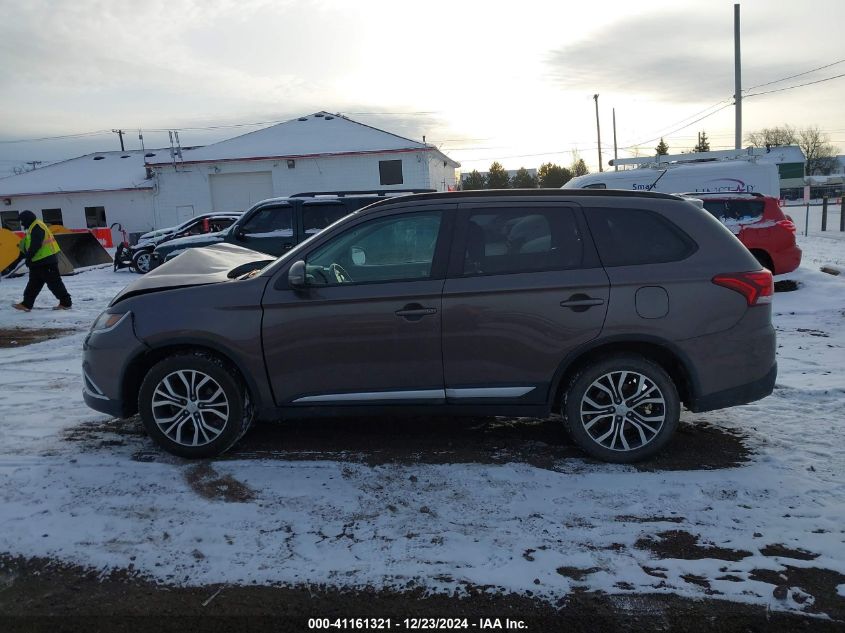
(367, 329)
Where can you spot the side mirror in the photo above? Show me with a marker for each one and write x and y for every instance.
(240, 234)
(359, 255)
(296, 275)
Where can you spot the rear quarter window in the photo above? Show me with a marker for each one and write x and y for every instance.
(629, 237)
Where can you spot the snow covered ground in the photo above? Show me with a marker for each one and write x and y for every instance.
(734, 533)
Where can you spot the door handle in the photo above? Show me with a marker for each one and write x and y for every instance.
(414, 312)
(581, 302)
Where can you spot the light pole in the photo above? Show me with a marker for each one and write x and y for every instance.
(737, 82)
(598, 128)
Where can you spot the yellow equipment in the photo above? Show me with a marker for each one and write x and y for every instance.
(79, 249)
(8, 248)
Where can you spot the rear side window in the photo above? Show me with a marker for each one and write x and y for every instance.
(316, 217)
(522, 240)
(735, 210)
(628, 237)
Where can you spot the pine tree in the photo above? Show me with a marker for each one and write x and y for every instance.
(703, 144)
(473, 181)
(662, 149)
(553, 176)
(523, 180)
(579, 168)
(497, 177)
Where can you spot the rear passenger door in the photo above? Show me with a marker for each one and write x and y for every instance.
(524, 288)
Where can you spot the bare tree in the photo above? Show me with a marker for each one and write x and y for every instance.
(819, 152)
(772, 136)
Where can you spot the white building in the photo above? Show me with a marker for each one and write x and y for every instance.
(153, 189)
(91, 191)
(319, 152)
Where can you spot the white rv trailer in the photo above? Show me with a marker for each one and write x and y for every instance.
(706, 172)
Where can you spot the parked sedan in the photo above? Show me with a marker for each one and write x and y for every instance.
(198, 225)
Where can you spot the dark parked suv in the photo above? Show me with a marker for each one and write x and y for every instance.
(276, 225)
(611, 307)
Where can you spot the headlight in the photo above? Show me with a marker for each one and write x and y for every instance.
(108, 320)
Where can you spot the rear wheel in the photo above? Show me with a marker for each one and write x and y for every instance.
(622, 409)
(764, 260)
(194, 405)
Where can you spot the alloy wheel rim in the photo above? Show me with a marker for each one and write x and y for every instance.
(143, 262)
(190, 408)
(623, 410)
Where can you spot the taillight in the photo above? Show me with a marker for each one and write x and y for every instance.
(757, 287)
(788, 224)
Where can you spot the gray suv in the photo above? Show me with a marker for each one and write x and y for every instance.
(610, 307)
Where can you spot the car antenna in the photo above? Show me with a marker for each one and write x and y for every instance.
(654, 184)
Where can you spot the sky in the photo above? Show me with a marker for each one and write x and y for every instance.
(483, 81)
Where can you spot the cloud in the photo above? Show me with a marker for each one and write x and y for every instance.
(679, 57)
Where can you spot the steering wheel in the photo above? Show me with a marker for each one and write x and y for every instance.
(340, 274)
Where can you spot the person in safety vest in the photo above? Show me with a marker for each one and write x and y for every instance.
(40, 248)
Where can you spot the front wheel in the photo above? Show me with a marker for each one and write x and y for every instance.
(142, 262)
(193, 405)
(622, 409)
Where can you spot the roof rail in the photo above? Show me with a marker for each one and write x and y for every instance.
(367, 192)
(750, 153)
(723, 194)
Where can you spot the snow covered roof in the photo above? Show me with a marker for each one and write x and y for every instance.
(785, 154)
(101, 171)
(319, 134)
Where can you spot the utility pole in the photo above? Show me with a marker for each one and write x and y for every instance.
(598, 128)
(615, 155)
(737, 82)
(120, 134)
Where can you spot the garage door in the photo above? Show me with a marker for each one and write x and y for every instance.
(237, 192)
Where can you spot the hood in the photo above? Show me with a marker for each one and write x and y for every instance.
(192, 241)
(157, 233)
(196, 267)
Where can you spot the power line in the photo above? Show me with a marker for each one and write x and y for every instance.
(809, 83)
(806, 72)
(53, 138)
(680, 128)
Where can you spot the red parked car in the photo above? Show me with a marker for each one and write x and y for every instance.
(760, 224)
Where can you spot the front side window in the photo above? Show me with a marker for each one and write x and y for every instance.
(95, 217)
(394, 248)
(270, 221)
(316, 217)
(628, 237)
(522, 240)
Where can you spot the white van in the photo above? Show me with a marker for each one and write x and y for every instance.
(720, 176)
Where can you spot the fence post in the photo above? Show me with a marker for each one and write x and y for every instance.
(842, 213)
(824, 213)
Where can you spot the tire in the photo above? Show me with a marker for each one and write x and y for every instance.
(142, 262)
(764, 260)
(614, 434)
(206, 424)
